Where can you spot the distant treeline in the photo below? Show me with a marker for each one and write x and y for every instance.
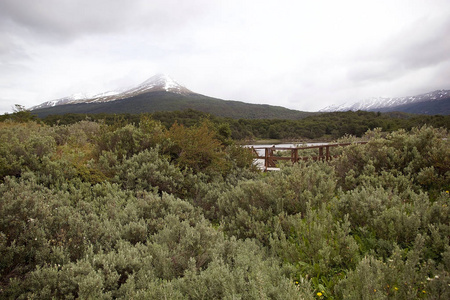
(319, 126)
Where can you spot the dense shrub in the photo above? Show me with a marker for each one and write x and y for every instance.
(403, 276)
(107, 244)
(246, 209)
(92, 210)
(422, 157)
(23, 146)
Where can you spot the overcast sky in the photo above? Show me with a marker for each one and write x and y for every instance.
(303, 55)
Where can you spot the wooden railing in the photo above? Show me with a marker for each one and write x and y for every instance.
(270, 159)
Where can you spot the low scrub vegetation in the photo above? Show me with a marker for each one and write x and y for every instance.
(98, 211)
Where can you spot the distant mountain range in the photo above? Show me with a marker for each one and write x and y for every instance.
(432, 103)
(161, 93)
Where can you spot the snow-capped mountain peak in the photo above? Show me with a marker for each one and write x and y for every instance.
(373, 104)
(156, 83)
(160, 82)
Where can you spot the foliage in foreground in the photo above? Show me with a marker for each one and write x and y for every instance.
(119, 211)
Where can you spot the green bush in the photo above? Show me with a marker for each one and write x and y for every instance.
(98, 244)
(91, 210)
(422, 156)
(23, 146)
(403, 276)
(247, 209)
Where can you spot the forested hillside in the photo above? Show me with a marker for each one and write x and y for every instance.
(166, 101)
(324, 126)
(115, 210)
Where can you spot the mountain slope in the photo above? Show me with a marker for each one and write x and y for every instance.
(161, 93)
(157, 83)
(167, 101)
(437, 102)
(440, 107)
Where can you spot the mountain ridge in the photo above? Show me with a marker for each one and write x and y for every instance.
(162, 93)
(422, 103)
(158, 82)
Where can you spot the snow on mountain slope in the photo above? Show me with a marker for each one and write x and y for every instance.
(62, 101)
(159, 82)
(372, 104)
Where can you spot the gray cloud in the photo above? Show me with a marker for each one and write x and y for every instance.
(11, 50)
(62, 20)
(292, 53)
(423, 45)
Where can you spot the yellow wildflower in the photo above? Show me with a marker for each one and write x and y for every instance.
(396, 288)
(319, 294)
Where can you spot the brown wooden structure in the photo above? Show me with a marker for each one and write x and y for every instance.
(270, 158)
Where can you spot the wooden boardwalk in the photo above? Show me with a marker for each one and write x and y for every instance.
(272, 154)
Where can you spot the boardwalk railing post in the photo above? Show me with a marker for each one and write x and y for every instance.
(327, 153)
(320, 153)
(294, 155)
(266, 158)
